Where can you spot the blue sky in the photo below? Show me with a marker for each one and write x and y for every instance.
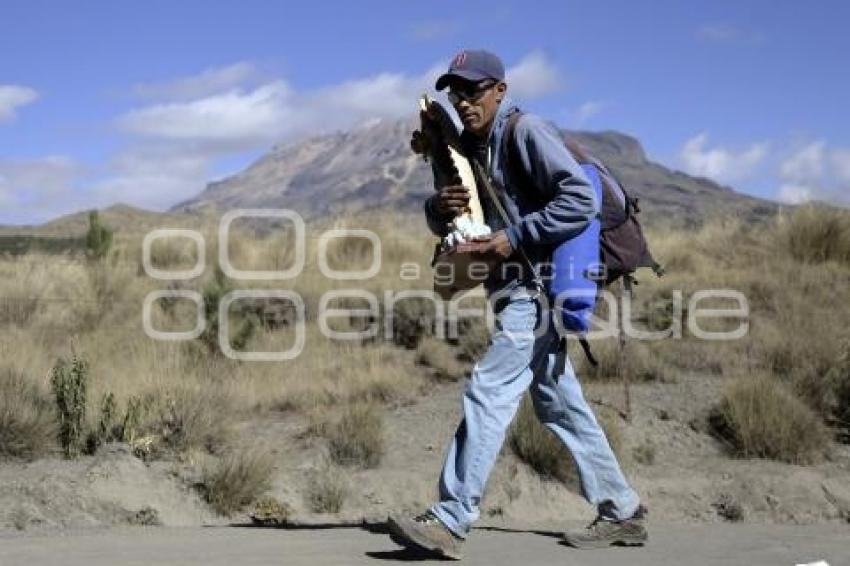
(145, 102)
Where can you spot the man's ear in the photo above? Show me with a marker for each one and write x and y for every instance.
(501, 89)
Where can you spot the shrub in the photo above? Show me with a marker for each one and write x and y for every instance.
(473, 340)
(801, 350)
(350, 253)
(244, 328)
(237, 480)
(728, 507)
(838, 380)
(27, 420)
(17, 310)
(641, 365)
(357, 437)
(538, 447)
(189, 418)
(760, 417)
(815, 234)
(98, 237)
(412, 319)
(173, 253)
(441, 358)
(326, 491)
(69, 382)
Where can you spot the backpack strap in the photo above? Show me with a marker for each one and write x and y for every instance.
(484, 179)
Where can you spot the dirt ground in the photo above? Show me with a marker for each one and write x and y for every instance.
(692, 479)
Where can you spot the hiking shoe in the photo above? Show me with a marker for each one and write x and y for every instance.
(425, 533)
(604, 532)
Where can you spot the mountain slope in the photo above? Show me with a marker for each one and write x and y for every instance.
(372, 166)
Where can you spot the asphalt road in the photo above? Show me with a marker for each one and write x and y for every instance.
(696, 545)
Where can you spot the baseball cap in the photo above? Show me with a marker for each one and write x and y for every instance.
(473, 65)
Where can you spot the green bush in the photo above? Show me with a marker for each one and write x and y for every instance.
(245, 326)
(69, 382)
(98, 237)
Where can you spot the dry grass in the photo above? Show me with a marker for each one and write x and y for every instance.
(327, 490)
(637, 359)
(791, 271)
(28, 426)
(442, 360)
(760, 417)
(237, 480)
(357, 438)
(193, 418)
(540, 448)
(817, 234)
(838, 380)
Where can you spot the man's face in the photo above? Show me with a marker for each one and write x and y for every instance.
(476, 103)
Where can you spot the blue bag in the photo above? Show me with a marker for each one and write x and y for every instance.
(576, 268)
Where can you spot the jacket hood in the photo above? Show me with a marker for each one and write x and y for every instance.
(497, 130)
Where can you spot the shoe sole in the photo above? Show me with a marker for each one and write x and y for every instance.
(406, 540)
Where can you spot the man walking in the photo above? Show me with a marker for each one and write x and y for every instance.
(547, 200)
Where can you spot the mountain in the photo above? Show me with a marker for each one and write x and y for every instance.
(121, 217)
(372, 167)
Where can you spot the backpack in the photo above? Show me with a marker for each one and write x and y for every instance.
(611, 248)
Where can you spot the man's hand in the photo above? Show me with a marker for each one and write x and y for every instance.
(495, 244)
(451, 200)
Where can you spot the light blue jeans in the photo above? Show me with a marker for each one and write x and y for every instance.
(514, 362)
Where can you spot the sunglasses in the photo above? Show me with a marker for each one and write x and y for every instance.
(470, 92)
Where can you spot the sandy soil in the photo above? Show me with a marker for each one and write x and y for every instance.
(691, 481)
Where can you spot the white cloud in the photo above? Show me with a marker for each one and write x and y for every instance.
(242, 118)
(840, 162)
(176, 142)
(728, 33)
(721, 163)
(234, 117)
(805, 164)
(13, 97)
(153, 176)
(815, 171)
(588, 110)
(795, 194)
(35, 190)
(209, 81)
(535, 75)
(149, 176)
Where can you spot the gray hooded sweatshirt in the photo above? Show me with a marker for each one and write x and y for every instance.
(548, 198)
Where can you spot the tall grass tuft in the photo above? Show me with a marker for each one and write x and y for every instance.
(326, 490)
(760, 417)
(237, 480)
(27, 421)
(815, 234)
(357, 437)
(538, 447)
